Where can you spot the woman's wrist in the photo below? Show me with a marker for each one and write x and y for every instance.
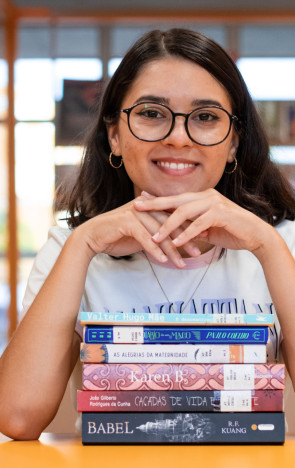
(77, 241)
(270, 245)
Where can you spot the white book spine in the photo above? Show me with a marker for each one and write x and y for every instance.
(162, 353)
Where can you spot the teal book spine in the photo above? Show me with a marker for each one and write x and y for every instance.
(122, 318)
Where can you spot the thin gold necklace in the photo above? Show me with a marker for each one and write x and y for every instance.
(194, 291)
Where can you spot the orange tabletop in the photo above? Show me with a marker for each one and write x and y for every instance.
(56, 451)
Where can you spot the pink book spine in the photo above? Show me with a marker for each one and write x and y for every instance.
(183, 376)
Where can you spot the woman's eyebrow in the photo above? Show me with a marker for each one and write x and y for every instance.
(164, 100)
(206, 102)
(152, 98)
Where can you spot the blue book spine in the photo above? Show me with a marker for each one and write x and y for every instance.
(122, 318)
(139, 334)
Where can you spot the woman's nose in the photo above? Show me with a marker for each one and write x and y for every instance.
(178, 136)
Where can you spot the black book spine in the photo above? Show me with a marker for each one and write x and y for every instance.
(183, 428)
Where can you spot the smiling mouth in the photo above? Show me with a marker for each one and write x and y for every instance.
(174, 165)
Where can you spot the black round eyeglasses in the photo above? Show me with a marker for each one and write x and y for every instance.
(206, 125)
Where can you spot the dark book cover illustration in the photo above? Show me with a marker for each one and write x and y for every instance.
(183, 428)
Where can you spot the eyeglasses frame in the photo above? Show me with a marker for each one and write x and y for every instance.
(232, 118)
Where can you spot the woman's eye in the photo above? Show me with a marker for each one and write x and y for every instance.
(150, 113)
(205, 117)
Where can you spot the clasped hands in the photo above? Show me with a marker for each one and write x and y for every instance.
(174, 226)
(196, 221)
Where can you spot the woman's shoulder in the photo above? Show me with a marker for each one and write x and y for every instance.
(50, 250)
(59, 234)
(43, 263)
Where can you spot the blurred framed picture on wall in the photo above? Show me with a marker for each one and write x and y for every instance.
(74, 112)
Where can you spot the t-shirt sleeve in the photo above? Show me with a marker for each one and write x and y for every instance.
(42, 266)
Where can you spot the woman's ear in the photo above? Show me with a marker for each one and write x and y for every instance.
(114, 140)
(233, 147)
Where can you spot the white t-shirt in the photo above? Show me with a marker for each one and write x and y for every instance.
(234, 283)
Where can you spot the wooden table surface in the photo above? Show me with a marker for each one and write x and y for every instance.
(59, 451)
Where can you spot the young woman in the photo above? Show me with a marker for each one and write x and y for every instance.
(177, 208)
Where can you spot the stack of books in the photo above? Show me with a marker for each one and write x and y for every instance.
(179, 378)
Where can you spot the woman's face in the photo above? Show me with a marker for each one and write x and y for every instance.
(176, 164)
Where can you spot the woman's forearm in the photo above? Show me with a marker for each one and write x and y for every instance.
(35, 367)
(279, 269)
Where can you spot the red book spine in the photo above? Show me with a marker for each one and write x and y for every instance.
(166, 401)
(183, 376)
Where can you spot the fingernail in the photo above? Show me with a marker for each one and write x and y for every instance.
(196, 251)
(163, 258)
(138, 202)
(181, 262)
(156, 236)
(176, 241)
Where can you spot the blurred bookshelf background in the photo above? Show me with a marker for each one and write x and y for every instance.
(54, 55)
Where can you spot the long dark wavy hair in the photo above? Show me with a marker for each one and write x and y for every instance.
(256, 185)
